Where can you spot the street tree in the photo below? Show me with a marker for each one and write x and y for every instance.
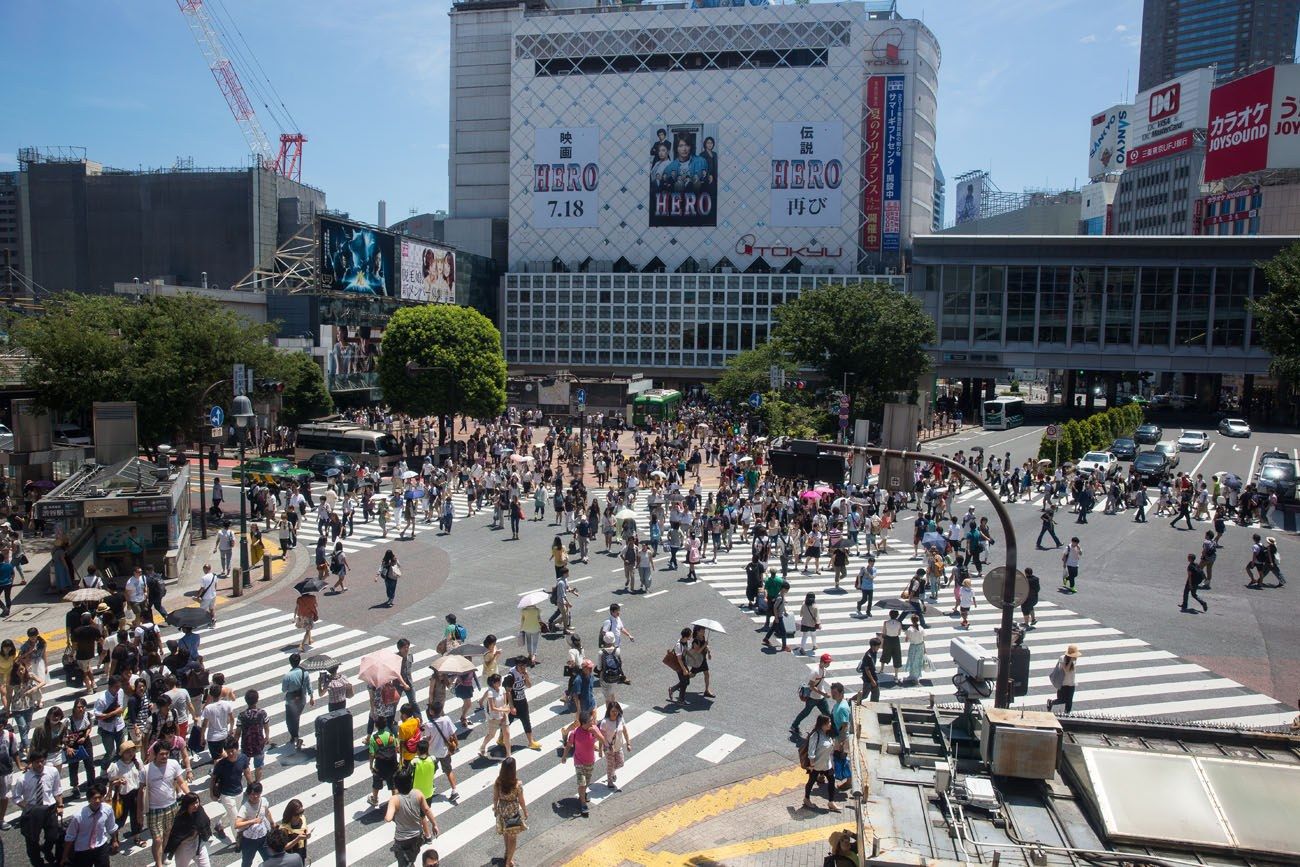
(305, 396)
(161, 352)
(868, 338)
(1277, 314)
(439, 359)
(748, 372)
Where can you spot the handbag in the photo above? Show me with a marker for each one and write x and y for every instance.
(788, 625)
(670, 659)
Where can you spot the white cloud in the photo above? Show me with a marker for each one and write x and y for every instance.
(1089, 39)
(1120, 28)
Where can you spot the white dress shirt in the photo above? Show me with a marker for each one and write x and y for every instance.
(38, 790)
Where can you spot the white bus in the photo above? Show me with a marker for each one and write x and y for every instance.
(1001, 413)
(364, 446)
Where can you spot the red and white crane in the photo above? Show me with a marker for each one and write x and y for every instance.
(288, 162)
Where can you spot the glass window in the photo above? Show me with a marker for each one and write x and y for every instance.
(1086, 306)
(1231, 289)
(1022, 297)
(1053, 301)
(956, 303)
(1157, 300)
(1193, 306)
(1121, 286)
(989, 282)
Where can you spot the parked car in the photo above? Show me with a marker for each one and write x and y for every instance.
(1091, 462)
(271, 470)
(1234, 427)
(69, 433)
(1150, 466)
(1170, 450)
(1124, 448)
(1274, 455)
(6, 438)
(1193, 441)
(1148, 434)
(321, 462)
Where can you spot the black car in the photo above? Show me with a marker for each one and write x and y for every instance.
(322, 461)
(1148, 434)
(1124, 449)
(1150, 466)
(1278, 476)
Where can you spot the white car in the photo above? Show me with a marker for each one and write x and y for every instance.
(70, 434)
(6, 438)
(1193, 441)
(1104, 461)
(1234, 427)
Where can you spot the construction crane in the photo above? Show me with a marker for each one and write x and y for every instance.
(288, 162)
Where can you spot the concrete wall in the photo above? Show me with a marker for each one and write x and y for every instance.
(479, 154)
(1058, 218)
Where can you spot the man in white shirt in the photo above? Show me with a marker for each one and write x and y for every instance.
(215, 721)
(614, 626)
(92, 833)
(110, 717)
(136, 592)
(164, 782)
(208, 590)
(40, 797)
(438, 730)
(225, 547)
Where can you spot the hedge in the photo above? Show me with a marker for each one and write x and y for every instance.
(1093, 433)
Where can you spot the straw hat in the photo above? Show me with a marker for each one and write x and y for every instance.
(1073, 651)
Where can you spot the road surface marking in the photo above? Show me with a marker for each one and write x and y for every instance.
(479, 605)
(720, 748)
(1202, 460)
(430, 617)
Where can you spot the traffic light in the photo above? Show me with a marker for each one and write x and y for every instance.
(274, 386)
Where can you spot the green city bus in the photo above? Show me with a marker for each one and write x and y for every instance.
(657, 404)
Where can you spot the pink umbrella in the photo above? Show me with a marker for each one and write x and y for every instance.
(811, 495)
(822, 489)
(380, 667)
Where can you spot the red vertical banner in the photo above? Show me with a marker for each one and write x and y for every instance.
(873, 163)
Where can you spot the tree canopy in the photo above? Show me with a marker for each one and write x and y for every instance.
(748, 372)
(867, 337)
(305, 396)
(461, 343)
(161, 352)
(1277, 314)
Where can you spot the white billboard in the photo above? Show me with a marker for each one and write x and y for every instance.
(807, 173)
(428, 273)
(970, 192)
(1108, 140)
(1180, 105)
(566, 177)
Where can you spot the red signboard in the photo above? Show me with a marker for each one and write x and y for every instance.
(1238, 134)
(1156, 149)
(873, 163)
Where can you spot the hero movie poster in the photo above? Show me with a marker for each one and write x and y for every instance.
(683, 174)
(356, 259)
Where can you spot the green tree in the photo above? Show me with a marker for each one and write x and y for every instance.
(1277, 314)
(748, 372)
(462, 349)
(305, 395)
(161, 352)
(868, 337)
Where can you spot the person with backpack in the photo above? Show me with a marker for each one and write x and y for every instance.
(382, 748)
(339, 568)
(254, 729)
(815, 756)
(609, 668)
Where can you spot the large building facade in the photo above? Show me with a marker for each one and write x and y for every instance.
(669, 158)
(1234, 36)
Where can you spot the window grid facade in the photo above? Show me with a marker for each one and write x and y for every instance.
(690, 321)
(1159, 308)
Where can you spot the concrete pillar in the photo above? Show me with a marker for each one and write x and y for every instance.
(1067, 388)
(1112, 388)
(1090, 398)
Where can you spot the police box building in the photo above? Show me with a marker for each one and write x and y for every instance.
(674, 172)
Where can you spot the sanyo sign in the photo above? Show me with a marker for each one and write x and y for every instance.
(1173, 107)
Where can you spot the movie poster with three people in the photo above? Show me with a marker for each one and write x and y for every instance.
(683, 174)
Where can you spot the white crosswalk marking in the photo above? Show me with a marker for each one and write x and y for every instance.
(1171, 687)
(252, 647)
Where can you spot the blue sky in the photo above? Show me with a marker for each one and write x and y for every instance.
(367, 83)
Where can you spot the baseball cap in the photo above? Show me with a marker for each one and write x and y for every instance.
(826, 659)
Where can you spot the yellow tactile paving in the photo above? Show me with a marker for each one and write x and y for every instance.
(767, 844)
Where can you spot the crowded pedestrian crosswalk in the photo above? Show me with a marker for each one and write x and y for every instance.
(251, 648)
(1118, 674)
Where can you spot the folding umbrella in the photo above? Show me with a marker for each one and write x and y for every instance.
(450, 663)
(409, 474)
(625, 514)
(86, 594)
(193, 617)
(468, 650)
(319, 662)
(310, 585)
(533, 598)
(711, 625)
(380, 667)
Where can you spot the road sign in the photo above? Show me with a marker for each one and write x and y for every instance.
(844, 402)
(756, 400)
(844, 422)
(994, 585)
(217, 434)
(239, 380)
(1053, 433)
(217, 416)
(775, 377)
(582, 397)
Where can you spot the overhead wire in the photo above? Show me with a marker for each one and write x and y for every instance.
(260, 81)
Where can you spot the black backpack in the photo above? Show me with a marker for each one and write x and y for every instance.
(611, 667)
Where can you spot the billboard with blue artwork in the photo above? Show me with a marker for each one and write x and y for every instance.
(355, 258)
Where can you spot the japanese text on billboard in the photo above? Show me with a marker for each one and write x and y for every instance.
(892, 210)
(807, 173)
(428, 273)
(873, 162)
(566, 177)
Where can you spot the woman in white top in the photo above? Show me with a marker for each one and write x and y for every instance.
(498, 716)
(254, 822)
(124, 778)
(809, 622)
(610, 729)
(915, 636)
(965, 602)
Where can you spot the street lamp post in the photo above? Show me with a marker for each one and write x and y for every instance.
(203, 496)
(243, 412)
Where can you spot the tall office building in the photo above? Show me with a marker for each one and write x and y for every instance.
(1236, 36)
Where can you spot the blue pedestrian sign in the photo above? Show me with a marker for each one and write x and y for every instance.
(756, 400)
(582, 397)
(217, 416)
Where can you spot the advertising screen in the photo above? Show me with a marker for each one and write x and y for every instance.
(1108, 141)
(892, 210)
(683, 175)
(356, 259)
(873, 163)
(1180, 105)
(566, 177)
(428, 273)
(807, 173)
(970, 193)
(1254, 124)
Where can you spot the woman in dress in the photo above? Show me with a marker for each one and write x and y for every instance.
(509, 807)
(611, 727)
(915, 636)
(305, 613)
